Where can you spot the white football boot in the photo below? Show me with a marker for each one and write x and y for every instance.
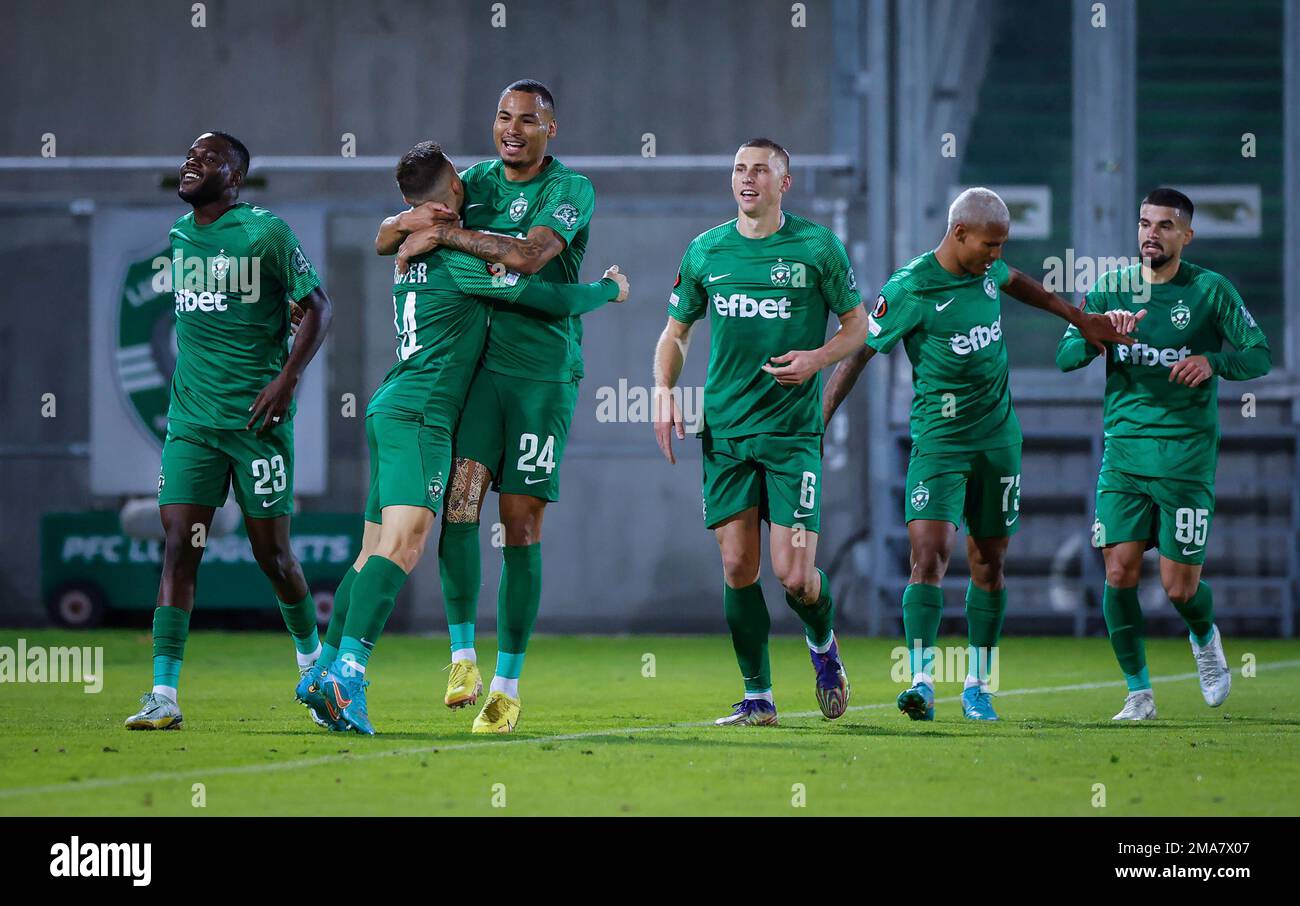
(1140, 705)
(1212, 665)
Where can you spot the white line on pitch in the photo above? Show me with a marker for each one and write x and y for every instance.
(160, 776)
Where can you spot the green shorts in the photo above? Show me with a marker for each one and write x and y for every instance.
(517, 427)
(979, 487)
(199, 464)
(778, 473)
(1174, 515)
(409, 464)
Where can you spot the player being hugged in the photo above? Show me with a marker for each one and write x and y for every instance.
(236, 269)
(768, 282)
(441, 301)
(525, 212)
(1161, 416)
(946, 308)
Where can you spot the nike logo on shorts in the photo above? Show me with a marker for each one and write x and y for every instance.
(536, 480)
(799, 515)
(1013, 519)
(1187, 553)
(267, 503)
(938, 307)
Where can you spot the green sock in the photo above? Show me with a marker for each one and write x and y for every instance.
(749, 622)
(984, 613)
(1127, 631)
(374, 593)
(1198, 612)
(334, 634)
(461, 570)
(300, 620)
(922, 611)
(518, 599)
(819, 618)
(171, 627)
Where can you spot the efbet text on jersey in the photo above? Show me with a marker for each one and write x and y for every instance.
(739, 305)
(978, 337)
(1151, 356)
(205, 284)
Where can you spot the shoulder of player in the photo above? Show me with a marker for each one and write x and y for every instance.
(182, 223)
(262, 224)
(480, 170)
(821, 238)
(558, 176)
(905, 281)
(711, 238)
(1207, 281)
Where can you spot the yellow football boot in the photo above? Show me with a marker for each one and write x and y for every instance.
(499, 714)
(464, 686)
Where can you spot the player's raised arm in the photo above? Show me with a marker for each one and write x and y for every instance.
(1073, 351)
(522, 256)
(554, 299)
(1096, 329)
(670, 356)
(394, 230)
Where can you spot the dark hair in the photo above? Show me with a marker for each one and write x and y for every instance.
(241, 152)
(771, 146)
(532, 86)
(422, 171)
(1166, 197)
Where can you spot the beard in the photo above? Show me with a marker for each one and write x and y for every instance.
(1157, 259)
(204, 192)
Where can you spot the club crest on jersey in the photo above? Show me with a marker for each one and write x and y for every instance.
(518, 208)
(920, 496)
(435, 488)
(1180, 315)
(780, 274)
(300, 263)
(990, 288)
(567, 214)
(220, 266)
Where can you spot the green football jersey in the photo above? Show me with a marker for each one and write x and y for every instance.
(765, 297)
(951, 327)
(440, 313)
(232, 280)
(520, 342)
(1155, 427)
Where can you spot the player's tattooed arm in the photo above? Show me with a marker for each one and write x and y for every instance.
(799, 365)
(523, 256)
(1096, 329)
(670, 356)
(394, 230)
(842, 380)
(272, 403)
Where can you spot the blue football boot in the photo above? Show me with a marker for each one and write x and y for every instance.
(977, 704)
(344, 693)
(917, 702)
(309, 693)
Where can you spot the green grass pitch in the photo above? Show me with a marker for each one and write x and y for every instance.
(598, 737)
